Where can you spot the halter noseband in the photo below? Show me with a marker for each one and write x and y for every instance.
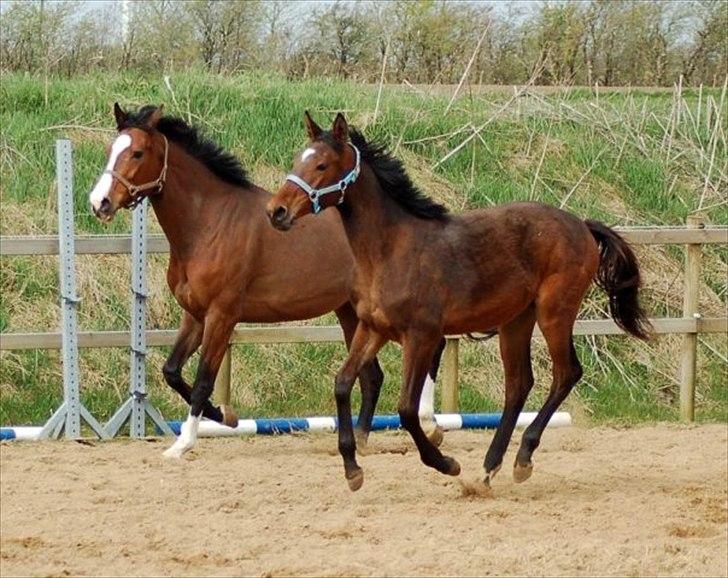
(315, 195)
(135, 190)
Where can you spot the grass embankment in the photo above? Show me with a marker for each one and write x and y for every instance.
(626, 158)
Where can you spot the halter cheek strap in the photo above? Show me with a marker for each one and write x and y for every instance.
(315, 195)
(135, 191)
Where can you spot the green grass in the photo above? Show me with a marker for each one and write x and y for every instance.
(630, 166)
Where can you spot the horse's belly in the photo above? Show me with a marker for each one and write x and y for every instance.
(486, 314)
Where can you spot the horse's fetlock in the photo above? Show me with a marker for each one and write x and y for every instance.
(409, 418)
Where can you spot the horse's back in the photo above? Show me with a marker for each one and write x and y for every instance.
(502, 256)
(531, 232)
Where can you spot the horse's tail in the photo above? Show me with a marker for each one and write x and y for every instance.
(619, 276)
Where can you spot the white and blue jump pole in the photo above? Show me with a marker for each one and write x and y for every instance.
(283, 425)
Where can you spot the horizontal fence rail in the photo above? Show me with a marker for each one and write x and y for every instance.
(121, 244)
(321, 334)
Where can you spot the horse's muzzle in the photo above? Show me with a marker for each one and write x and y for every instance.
(280, 218)
(105, 211)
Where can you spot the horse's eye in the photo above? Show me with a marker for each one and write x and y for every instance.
(137, 154)
(321, 167)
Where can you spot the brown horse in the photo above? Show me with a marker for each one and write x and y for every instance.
(422, 273)
(226, 264)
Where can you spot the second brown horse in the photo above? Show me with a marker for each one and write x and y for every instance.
(421, 273)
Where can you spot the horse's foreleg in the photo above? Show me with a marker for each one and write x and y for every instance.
(188, 340)
(418, 353)
(364, 347)
(515, 350)
(427, 400)
(215, 337)
(370, 378)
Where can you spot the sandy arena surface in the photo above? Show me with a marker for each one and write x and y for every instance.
(636, 502)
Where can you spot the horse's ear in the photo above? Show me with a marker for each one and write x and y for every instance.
(120, 116)
(312, 128)
(153, 119)
(340, 129)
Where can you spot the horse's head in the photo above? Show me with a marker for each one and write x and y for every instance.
(320, 175)
(136, 166)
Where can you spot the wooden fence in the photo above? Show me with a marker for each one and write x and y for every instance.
(689, 325)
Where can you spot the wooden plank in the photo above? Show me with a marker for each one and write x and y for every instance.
(318, 334)
(121, 244)
(221, 390)
(691, 309)
(450, 363)
(678, 236)
(85, 245)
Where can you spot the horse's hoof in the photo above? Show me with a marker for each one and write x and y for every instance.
(452, 467)
(436, 436)
(490, 475)
(362, 442)
(229, 417)
(355, 479)
(173, 453)
(521, 472)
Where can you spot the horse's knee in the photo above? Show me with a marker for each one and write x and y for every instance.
(172, 373)
(342, 387)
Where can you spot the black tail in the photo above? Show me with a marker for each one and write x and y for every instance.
(619, 276)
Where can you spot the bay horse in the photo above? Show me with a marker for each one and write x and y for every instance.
(226, 264)
(422, 272)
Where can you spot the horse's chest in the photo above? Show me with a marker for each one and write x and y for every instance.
(382, 309)
(183, 291)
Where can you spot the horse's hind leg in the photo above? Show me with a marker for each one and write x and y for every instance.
(418, 352)
(215, 337)
(556, 316)
(515, 350)
(371, 378)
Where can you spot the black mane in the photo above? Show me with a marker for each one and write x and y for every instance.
(224, 164)
(394, 179)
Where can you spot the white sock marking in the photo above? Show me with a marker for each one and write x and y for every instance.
(103, 186)
(186, 440)
(427, 401)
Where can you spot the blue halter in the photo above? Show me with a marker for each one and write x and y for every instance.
(315, 195)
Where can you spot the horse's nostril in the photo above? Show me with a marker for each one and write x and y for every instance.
(280, 213)
(105, 205)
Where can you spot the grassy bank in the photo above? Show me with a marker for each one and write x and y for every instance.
(627, 158)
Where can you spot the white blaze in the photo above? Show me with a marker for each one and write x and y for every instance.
(103, 186)
(307, 153)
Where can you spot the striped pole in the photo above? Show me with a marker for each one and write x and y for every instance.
(282, 425)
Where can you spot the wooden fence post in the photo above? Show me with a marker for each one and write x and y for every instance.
(221, 393)
(691, 310)
(450, 394)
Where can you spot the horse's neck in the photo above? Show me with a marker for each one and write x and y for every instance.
(191, 195)
(370, 218)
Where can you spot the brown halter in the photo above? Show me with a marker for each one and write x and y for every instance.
(135, 190)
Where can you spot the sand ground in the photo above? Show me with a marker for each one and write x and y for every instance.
(635, 502)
